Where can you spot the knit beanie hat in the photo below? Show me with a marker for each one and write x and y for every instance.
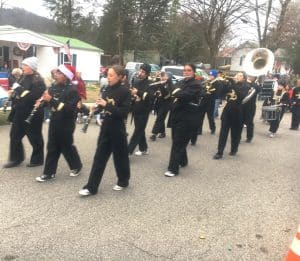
(213, 73)
(67, 70)
(31, 62)
(146, 67)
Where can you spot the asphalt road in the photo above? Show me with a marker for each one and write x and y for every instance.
(238, 208)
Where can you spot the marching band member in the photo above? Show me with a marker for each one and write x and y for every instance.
(62, 98)
(183, 118)
(231, 118)
(112, 138)
(31, 87)
(280, 98)
(140, 110)
(207, 105)
(249, 107)
(295, 101)
(162, 106)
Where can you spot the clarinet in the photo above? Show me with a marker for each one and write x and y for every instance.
(95, 109)
(34, 110)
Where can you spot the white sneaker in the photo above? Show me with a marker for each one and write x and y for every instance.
(75, 172)
(169, 174)
(84, 192)
(45, 178)
(141, 153)
(272, 135)
(118, 188)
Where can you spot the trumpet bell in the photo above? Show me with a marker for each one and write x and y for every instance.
(258, 62)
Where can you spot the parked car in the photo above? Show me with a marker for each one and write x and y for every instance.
(175, 70)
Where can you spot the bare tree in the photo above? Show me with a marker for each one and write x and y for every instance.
(278, 34)
(270, 34)
(215, 18)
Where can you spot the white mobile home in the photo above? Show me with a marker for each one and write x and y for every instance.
(16, 44)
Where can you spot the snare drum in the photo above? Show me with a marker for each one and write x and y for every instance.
(271, 113)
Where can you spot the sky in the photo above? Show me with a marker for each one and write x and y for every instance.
(34, 6)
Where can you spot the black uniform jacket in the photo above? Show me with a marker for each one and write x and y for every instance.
(186, 102)
(142, 102)
(296, 96)
(210, 89)
(164, 91)
(234, 92)
(115, 112)
(31, 89)
(63, 104)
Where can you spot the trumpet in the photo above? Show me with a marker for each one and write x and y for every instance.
(157, 83)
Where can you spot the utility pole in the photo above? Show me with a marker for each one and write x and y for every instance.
(120, 39)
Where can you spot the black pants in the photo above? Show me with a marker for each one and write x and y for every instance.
(274, 125)
(181, 135)
(248, 116)
(234, 124)
(196, 131)
(60, 141)
(207, 109)
(295, 117)
(33, 131)
(108, 143)
(162, 112)
(139, 137)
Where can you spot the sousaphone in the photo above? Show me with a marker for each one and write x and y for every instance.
(258, 62)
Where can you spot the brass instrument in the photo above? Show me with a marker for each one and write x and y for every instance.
(258, 62)
(157, 83)
(250, 94)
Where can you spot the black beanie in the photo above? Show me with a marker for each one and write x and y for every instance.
(146, 67)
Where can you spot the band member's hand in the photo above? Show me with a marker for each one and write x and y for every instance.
(46, 96)
(133, 91)
(101, 102)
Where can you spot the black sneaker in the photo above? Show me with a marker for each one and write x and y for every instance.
(11, 164)
(218, 156)
(232, 153)
(45, 178)
(153, 137)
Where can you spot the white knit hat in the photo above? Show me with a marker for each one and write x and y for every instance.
(32, 62)
(67, 70)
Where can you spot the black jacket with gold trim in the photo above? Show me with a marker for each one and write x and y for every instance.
(31, 89)
(63, 103)
(118, 104)
(142, 101)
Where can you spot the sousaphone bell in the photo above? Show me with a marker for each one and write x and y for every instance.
(258, 62)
